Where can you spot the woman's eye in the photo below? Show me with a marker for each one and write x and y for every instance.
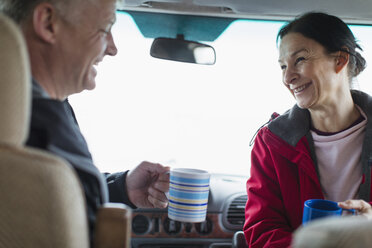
(299, 59)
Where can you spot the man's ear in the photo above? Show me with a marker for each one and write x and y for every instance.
(44, 22)
(342, 60)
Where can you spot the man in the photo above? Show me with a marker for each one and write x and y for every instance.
(66, 39)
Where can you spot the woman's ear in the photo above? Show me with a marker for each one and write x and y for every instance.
(342, 60)
(44, 22)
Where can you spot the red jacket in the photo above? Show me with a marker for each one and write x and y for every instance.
(284, 176)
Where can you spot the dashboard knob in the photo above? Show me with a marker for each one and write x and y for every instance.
(172, 226)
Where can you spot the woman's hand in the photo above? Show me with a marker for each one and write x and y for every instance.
(362, 208)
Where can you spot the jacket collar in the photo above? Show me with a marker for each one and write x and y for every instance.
(38, 91)
(364, 101)
(295, 123)
(292, 125)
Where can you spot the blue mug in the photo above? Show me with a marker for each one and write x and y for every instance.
(319, 208)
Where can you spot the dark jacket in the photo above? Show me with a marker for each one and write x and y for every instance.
(54, 128)
(284, 175)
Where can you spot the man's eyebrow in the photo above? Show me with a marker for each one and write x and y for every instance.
(295, 53)
(111, 20)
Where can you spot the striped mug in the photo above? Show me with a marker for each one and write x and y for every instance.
(188, 195)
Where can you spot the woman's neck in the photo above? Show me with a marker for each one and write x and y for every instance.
(335, 117)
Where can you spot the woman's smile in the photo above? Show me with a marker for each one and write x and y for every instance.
(301, 88)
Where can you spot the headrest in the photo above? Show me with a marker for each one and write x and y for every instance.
(333, 232)
(15, 84)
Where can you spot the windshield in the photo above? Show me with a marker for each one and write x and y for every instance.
(188, 115)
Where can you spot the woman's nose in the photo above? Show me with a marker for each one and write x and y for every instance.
(290, 76)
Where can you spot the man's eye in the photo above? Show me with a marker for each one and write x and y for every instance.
(106, 31)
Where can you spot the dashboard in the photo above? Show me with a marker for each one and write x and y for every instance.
(151, 228)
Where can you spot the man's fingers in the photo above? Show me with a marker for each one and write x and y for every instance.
(164, 176)
(161, 186)
(154, 167)
(157, 203)
(157, 195)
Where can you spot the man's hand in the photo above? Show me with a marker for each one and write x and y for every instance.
(363, 208)
(147, 184)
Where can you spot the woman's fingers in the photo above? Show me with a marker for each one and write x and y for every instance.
(362, 207)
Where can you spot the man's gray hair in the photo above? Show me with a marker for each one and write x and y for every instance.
(20, 10)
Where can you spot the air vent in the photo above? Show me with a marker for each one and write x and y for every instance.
(140, 224)
(235, 213)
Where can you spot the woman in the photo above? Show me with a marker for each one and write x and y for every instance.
(319, 149)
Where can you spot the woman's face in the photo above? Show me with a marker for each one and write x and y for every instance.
(308, 71)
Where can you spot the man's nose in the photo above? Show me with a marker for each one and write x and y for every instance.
(111, 48)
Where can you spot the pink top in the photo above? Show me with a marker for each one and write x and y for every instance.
(339, 162)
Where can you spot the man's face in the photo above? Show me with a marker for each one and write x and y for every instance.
(84, 42)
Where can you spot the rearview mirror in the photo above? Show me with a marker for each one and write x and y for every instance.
(183, 51)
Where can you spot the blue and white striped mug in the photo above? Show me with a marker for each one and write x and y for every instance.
(188, 195)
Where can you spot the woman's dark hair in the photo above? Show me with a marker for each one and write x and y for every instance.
(329, 31)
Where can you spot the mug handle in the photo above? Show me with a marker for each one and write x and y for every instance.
(351, 211)
(167, 193)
